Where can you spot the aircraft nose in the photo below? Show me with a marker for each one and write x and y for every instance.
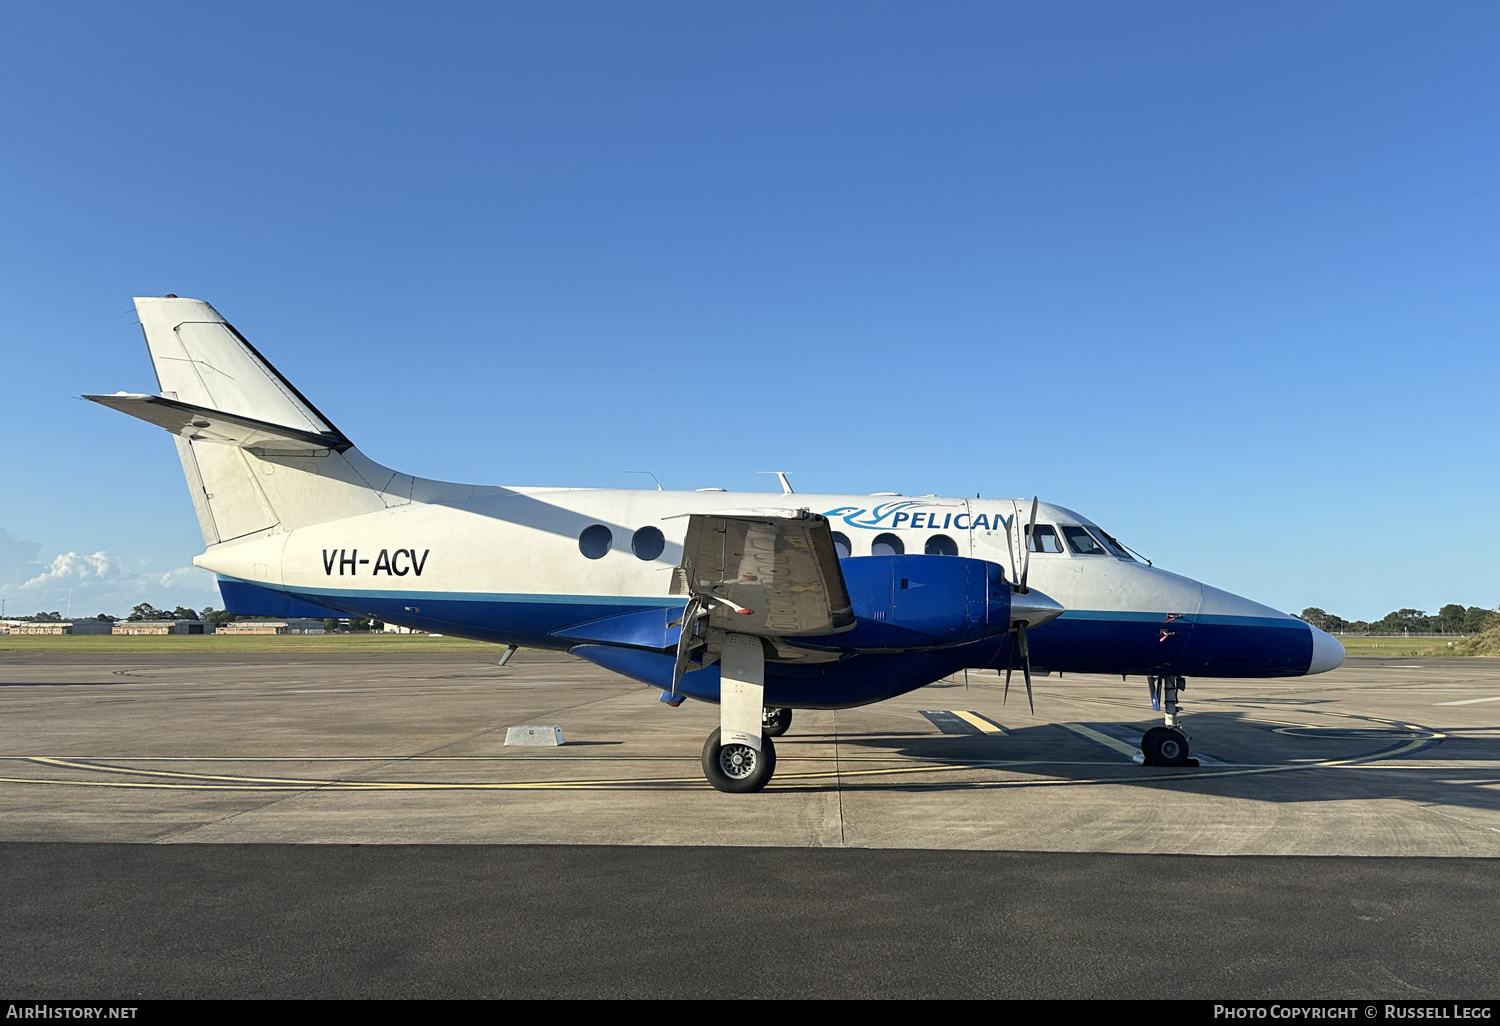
(1034, 608)
(1327, 653)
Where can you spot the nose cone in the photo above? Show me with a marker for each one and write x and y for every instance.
(1035, 608)
(1327, 653)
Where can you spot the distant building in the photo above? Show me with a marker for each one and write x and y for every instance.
(299, 625)
(392, 628)
(55, 627)
(161, 627)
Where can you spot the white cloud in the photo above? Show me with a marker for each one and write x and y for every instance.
(81, 584)
(72, 569)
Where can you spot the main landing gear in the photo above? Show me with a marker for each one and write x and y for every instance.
(775, 722)
(1166, 745)
(738, 768)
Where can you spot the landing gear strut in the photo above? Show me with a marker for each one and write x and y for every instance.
(1166, 745)
(775, 722)
(738, 768)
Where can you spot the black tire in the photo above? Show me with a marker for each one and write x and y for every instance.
(1165, 746)
(776, 722)
(738, 769)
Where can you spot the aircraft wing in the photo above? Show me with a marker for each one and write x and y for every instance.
(198, 423)
(772, 575)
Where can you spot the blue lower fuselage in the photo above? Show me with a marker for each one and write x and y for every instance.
(1078, 641)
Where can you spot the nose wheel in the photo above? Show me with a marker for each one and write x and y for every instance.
(1166, 745)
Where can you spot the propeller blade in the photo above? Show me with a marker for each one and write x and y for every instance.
(1026, 548)
(1010, 665)
(1026, 666)
(686, 639)
(1015, 567)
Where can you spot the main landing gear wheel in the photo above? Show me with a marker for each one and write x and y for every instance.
(1166, 746)
(738, 769)
(776, 722)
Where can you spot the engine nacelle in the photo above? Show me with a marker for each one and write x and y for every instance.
(906, 602)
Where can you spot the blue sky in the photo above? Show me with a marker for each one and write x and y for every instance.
(1221, 277)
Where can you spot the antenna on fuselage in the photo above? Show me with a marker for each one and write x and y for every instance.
(781, 475)
(648, 474)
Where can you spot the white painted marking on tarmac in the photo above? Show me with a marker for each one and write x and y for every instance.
(1121, 735)
(1473, 701)
(1113, 744)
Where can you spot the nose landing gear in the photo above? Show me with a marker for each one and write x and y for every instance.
(1166, 745)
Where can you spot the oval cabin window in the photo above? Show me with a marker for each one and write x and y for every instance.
(941, 545)
(647, 543)
(595, 541)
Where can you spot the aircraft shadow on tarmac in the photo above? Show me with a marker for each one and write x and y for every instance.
(1260, 761)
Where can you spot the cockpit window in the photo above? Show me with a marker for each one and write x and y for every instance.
(1081, 542)
(1110, 543)
(1043, 539)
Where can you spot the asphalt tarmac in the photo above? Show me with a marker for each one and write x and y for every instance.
(345, 826)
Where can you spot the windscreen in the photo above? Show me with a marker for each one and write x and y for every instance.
(1113, 546)
(1081, 542)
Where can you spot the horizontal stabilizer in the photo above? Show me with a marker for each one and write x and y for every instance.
(200, 424)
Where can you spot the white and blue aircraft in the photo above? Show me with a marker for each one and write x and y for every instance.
(763, 605)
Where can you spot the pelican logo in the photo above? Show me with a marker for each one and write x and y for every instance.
(934, 516)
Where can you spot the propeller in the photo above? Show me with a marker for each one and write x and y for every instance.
(1018, 627)
(687, 640)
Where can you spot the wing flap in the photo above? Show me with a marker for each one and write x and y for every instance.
(767, 575)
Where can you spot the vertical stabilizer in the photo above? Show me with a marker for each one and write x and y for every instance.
(242, 488)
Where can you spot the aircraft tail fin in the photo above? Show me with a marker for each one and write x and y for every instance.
(256, 453)
(200, 359)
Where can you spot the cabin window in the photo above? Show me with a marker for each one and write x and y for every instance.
(841, 545)
(941, 545)
(647, 543)
(1081, 542)
(1043, 539)
(595, 541)
(887, 545)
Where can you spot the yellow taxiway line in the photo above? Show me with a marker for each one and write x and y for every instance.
(168, 780)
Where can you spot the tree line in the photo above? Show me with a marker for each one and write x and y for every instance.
(208, 614)
(1451, 619)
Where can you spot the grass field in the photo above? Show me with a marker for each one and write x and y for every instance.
(1398, 647)
(293, 643)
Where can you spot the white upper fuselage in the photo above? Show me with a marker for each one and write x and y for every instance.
(525, 543)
